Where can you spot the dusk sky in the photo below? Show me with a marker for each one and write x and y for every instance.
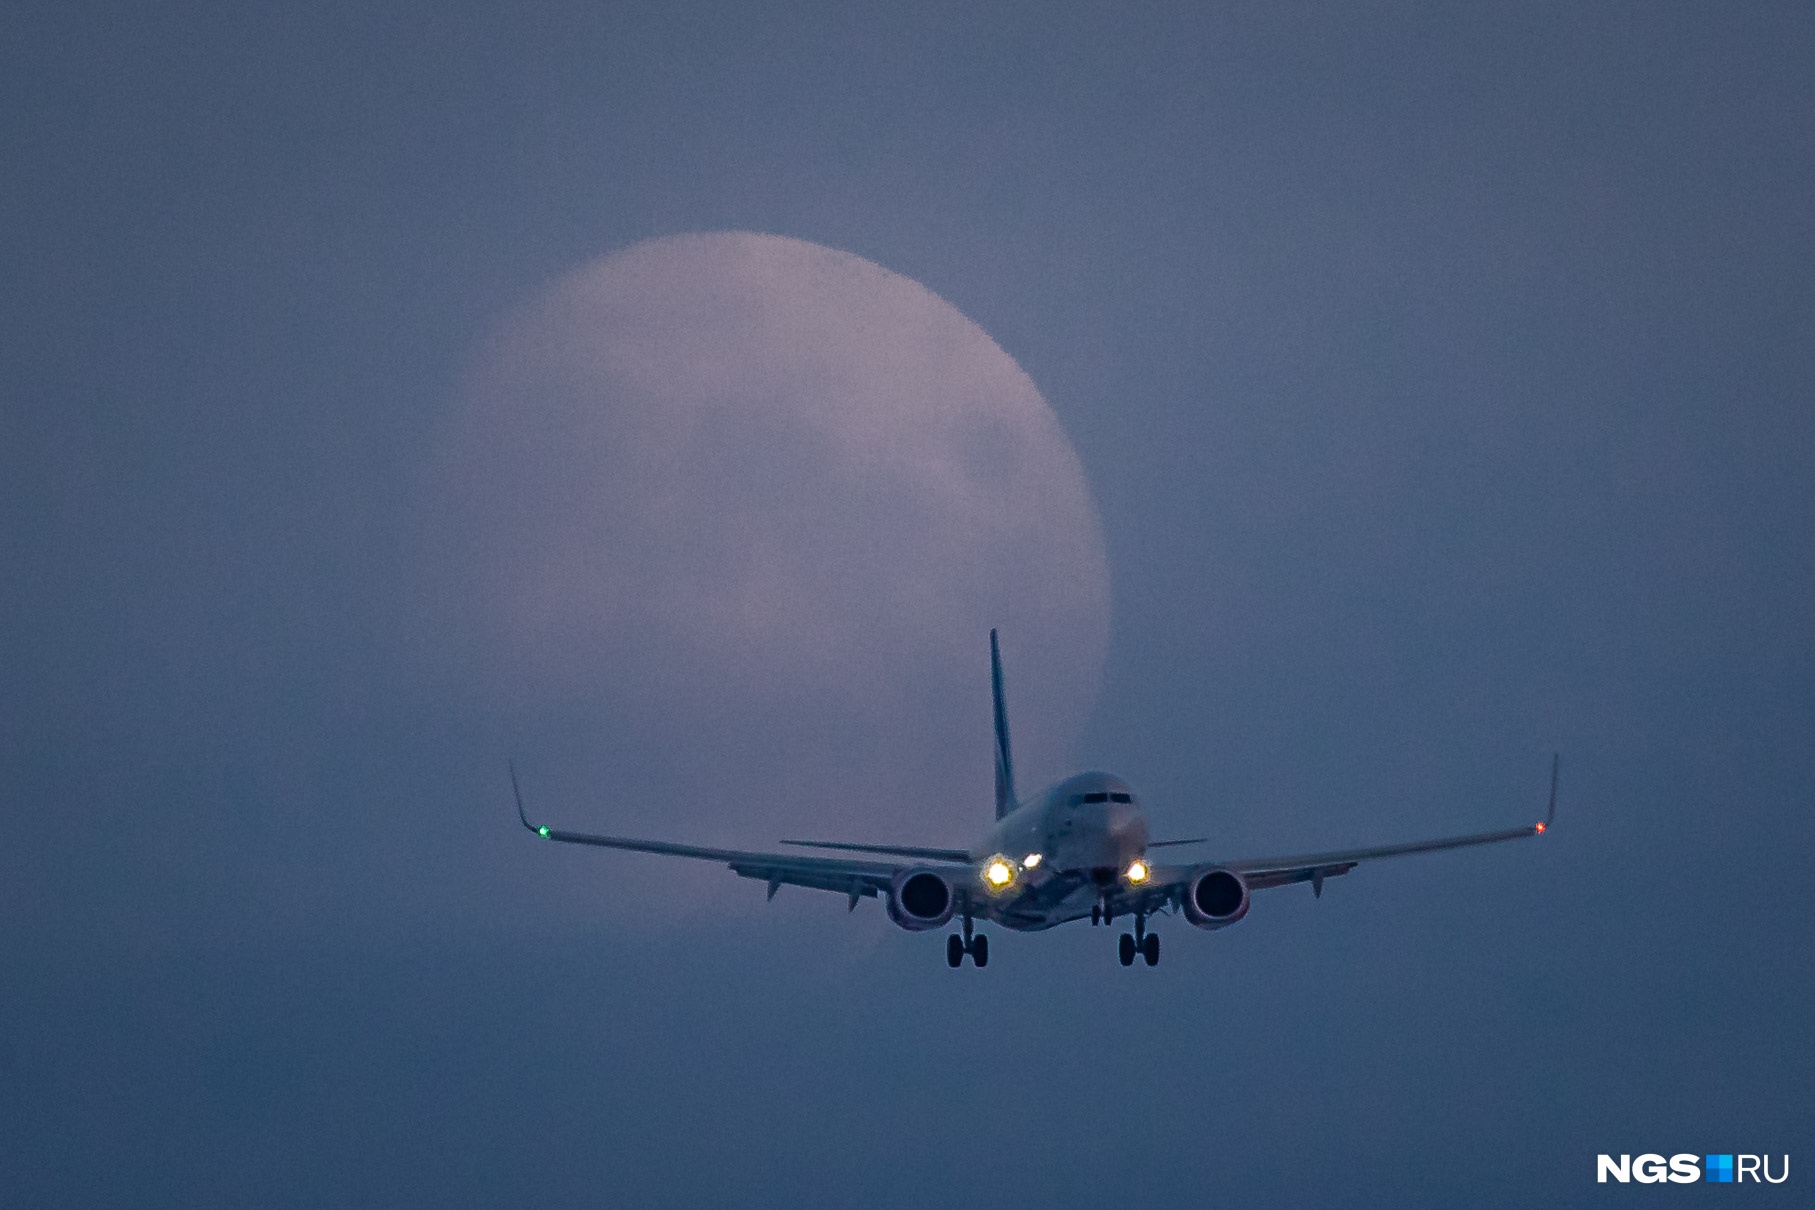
(1340, 408)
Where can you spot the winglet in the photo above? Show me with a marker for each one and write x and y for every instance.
(519, 796)
(1550, 813)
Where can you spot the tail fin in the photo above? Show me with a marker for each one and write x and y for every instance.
(1005, 763)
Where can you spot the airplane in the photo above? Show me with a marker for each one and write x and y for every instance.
(1078, 849)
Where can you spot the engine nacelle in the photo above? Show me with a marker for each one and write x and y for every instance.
(1216, 898)
(920, 900)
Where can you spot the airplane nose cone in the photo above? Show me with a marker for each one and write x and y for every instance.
(1126, 828)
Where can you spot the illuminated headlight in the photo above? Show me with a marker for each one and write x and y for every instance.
(999, 873)
(1031, 861)
(1138, 871)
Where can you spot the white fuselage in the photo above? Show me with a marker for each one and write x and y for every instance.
(1068, 845)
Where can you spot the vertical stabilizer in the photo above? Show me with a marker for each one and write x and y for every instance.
(1005, 763)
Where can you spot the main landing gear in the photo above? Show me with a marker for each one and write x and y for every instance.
(1141, 942)
(976, 946)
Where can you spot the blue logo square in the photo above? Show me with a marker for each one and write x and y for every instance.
(1720, 1168)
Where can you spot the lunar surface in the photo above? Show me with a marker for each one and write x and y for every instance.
(755, 503)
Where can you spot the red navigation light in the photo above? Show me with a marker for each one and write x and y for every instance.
(1538, 827)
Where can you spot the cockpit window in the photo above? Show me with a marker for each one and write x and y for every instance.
(1120, 798)
(1097, 797)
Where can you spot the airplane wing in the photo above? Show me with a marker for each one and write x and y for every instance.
(850, 877)
(890, 850)
(1263, 872)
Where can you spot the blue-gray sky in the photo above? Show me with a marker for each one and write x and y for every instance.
(1442, 375)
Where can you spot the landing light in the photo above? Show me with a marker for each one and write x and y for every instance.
(999, 873)
(1137, 871)
(1032, 861)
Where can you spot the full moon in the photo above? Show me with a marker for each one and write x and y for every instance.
(760, 502)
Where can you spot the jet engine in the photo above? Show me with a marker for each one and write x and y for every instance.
(1216, 898)
(920, 899)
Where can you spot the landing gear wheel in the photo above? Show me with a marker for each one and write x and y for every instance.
(1096, 914)
(954, 951)
(1150, 949)
(980, 950)
(1125, 949)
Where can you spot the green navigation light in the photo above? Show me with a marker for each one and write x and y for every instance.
(542, 831)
